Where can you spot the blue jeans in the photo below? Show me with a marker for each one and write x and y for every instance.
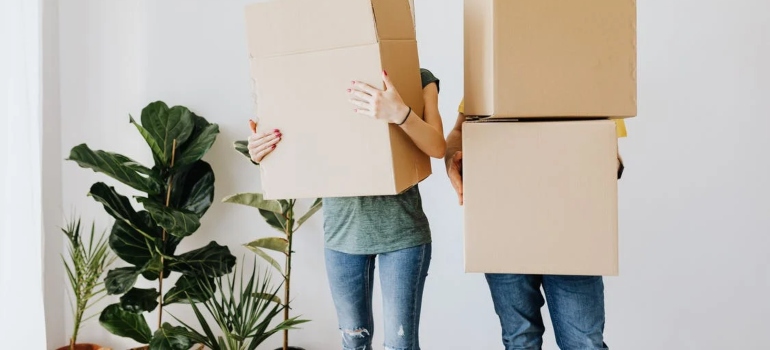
(402, 279)
(576, 304)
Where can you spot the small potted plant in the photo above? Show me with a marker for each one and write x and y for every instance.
(279, 214)
(242, 314)
(85, 266)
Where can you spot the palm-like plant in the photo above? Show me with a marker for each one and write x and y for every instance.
(84, 270)
(281, 215)
(242, 314)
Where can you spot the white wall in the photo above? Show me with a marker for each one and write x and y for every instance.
(695, 228)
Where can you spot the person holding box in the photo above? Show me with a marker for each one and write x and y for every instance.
(394, 229)
(576, 303)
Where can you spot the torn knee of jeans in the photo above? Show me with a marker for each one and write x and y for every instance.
(355, 333)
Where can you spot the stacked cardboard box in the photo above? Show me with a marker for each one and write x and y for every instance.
(543, 81)
(304, 55)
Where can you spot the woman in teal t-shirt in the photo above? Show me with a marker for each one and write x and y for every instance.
(393, 229)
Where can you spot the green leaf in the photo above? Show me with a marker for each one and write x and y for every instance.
(117, 206)
(203, 137)
(120, 280)
(212, 260)
(242, 147)
(138, 300)
(193, 189)
(276, 221)
(157, 152)
(189, 286)
(277, 244)
(166, 125)
(310, 212)
(151, 270)
(168, 337)
(268, 297)
(180, 223)
(265, 256)
(129, 245)
(255, 200)
(117, 166)
(125, 324)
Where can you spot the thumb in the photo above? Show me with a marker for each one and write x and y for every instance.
(386, 80)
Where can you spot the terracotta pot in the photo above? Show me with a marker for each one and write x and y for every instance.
(84, 347)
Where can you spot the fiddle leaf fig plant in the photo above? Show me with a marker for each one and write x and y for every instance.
(280, 215)
(175, 194)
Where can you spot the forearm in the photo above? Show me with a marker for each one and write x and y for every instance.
(454, 141)
(426, 137)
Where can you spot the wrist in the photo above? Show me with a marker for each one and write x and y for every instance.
(402, 114)
(405, 116)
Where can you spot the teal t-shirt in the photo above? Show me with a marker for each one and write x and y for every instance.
(377, 224)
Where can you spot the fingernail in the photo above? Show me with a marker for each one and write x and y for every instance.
(355, 110)
(273, 147)
(275, 130)
(349, 90)
(353, 82)
(386, 72)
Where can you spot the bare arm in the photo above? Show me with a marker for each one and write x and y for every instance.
(454, 156)
(387, 105)
(427, 133)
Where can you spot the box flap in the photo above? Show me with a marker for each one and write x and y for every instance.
(394, 19)
(279, 27)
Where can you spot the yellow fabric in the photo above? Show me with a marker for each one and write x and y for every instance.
(619, 123)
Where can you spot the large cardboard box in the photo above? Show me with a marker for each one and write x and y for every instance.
(541, 197)
(550, 58)
(304, 55)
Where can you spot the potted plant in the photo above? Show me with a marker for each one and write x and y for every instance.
(279, 214)
(85, 267)
(242, 314)
(175, 194)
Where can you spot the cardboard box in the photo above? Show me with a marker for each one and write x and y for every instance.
(304, 55)
(541, 197)
(550, 58)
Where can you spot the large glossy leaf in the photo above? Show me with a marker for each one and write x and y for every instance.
(118, 206)
(151, 270)
(212, 260)
(168, 337)
(166, 125)
(277, 244)
(203, 136)
(180, 223)
(190, 286)
(193, 189)
(121, 280)
(276, 221)
(255, 200)
(125, 324)
(310, 212)
(138, 300)
(154, 146)
(129, 245)
(262, 254)
(116, 166)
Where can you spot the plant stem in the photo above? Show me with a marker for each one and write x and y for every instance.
(163, 240)
(287, 288)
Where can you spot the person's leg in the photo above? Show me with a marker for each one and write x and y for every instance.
(518, 301)
(402, 280)
(576, 304)
(351, 278)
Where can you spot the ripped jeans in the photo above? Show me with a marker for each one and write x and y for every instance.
(402, 279)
